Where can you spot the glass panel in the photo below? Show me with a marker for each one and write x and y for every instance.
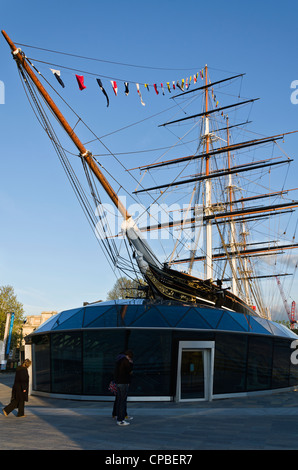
(279, 330)
(65, 315)
(152, 362)
(212, 315)
(230, 363)
(192, 375)
(100, 349)
(66, 363)
(193, 320)
(48, 324)
(129, 313)
(173, 313)
(281, 364)
(259, 363)
(93, 315)
(42, 364)
(259, 325)
(151, 317)
(227, 322)
(74, 321)
(242, 319)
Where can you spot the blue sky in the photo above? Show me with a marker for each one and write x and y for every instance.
(47, 251)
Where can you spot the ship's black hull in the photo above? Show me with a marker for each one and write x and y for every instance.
(173, 285)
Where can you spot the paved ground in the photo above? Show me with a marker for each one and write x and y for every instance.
(269, 422)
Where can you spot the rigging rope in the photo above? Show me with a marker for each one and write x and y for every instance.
(102, 60)
(110, 249)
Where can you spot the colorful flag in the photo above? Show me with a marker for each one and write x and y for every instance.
(114, 85)
(168, 85)
(162, 89)
(155, 88)
(194, 79)
(103, 90)
(57, 75)
(139, 93)
(178, 85)
(126, 88)
(174, 85)
(147, 86)
(80, 80)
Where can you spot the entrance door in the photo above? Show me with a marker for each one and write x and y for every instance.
(195, 370)
(192, 374)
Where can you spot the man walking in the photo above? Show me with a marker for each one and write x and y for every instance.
(19, 390)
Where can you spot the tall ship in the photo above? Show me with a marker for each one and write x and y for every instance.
(211, 206)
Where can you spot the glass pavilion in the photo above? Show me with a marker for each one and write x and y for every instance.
(181, 352)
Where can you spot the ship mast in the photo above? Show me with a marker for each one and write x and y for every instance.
(233, 245)
(208, 201)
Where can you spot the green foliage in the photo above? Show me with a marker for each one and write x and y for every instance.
(124, 288)
(9, 303)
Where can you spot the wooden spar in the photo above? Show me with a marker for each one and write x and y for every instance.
(179, 223)
(253, 210)
(192, 221)
(207, 85)
(251, 252)
(236, 167)
(211, 111)
(240, 145)
(219, 174)
(258, 277)
(83, 151)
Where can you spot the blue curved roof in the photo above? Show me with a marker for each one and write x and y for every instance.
(141, 313)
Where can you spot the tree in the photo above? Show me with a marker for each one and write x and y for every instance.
(9, 303)
(125, 287)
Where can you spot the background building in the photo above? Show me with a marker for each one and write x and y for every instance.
(34, 321)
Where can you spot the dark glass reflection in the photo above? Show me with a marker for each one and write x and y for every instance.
(42, 364)
(230, 363)
(259, 361)
(66, 363)
(152, 362)
(281, 364)
(100, 349)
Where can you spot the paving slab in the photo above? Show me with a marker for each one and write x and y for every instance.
(266, 422)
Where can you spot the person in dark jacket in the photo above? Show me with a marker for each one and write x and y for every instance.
(122, 377)
(19, 390)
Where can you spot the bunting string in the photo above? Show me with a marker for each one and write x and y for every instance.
(183, 84)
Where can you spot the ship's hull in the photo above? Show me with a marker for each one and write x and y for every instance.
(169, 284)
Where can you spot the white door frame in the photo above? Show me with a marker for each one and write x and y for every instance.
(207, 347)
